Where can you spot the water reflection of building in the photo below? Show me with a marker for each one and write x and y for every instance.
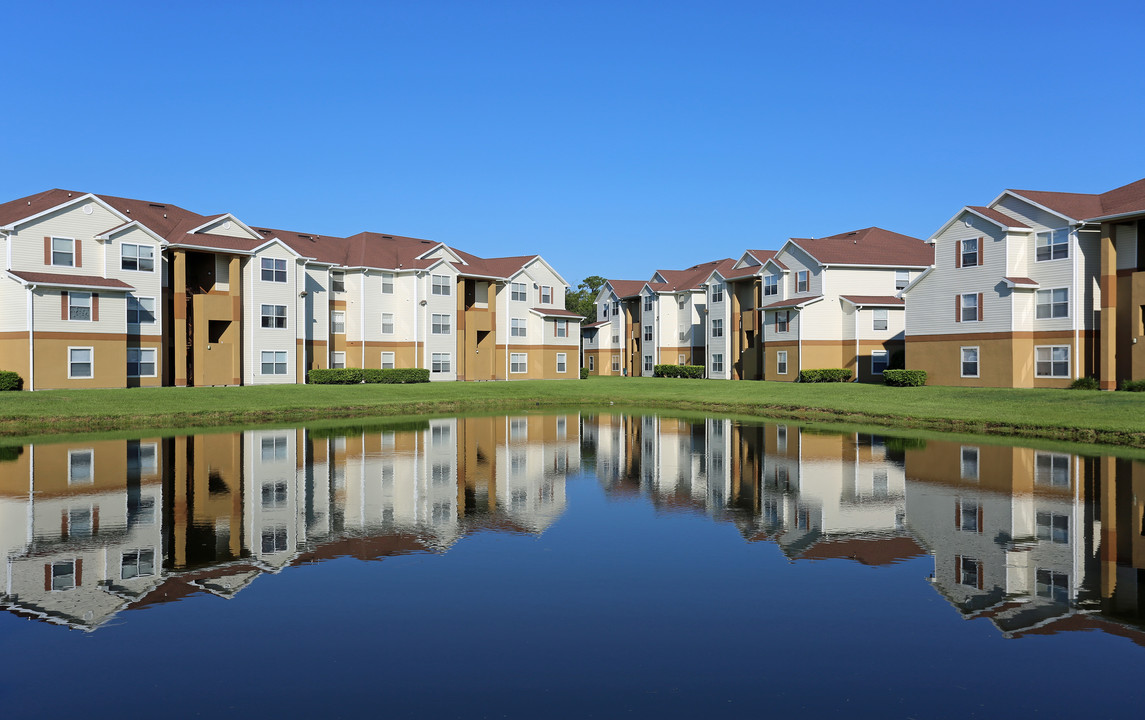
(92, 529)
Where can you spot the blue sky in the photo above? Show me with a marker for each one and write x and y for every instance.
(613, 138)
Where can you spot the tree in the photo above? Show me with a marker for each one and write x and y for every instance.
(582, 301)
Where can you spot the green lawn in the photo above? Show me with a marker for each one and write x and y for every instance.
(1086, 416)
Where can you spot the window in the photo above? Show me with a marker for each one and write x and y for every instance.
(561, 328)
(64, 575)
(647, 363)
(967, 516)
(337, 281)
(80, 362)
(562, 362)
(647, 303)
(546, 295)
(1052, 361)
(440, 285)
(969, 362)
(518, 292)
(137, 563)
(1052, 244)
(717, 363)
(80, 466)
(518, 363)
(1053, 527)
(137, 257)
(274, 316)
(79, 306)
(615, 339)
(878, 362)
(440, 362)
(615, 363)
(387, 360)
(273, 362)
(1053, 303)
(141, 457)
(141, 362)
(591, 363)
(1051, 469)
(717, 327)
(273, 448)
(337, 322)
(63, 252)
(770, 285)
(968, 255)
(1049, 584)
(968, 571)
(902, 279)
(273, 270)
(615, 307)
(338, 360)
(647, 333)
(387, 283)
(681, 359)
(969, 310)
(387, 323)
(781, 430)
(880, 319)
(440, 324)
(717, 292)
(274, 539)
(781, 362)
(801, 282)
(274, 495)
(517, 327)
(782, 320)
(968, 463)
(140, 310)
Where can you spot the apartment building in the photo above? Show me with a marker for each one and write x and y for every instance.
(815, 303)
(102, 291)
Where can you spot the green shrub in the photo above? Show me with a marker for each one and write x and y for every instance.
(1085, 383)
(1133, 385)
(584, 373)
(353, 376)
(825, 375)
(678, 371)
(11, 380)
(904, 378)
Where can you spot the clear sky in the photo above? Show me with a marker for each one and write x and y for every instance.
(612, 137)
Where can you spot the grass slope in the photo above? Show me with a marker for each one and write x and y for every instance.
(1113, 418)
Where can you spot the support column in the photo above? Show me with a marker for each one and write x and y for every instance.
(235, 284)
(1107, 338)
(179, 315)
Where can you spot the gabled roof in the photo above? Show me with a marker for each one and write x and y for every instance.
(792, 303)
(1125, 200)
(764, 255)
(86, 282)
(691, 278)
(998, 218)
(1021, 282)
(557, 312)
(871, 246)
(626, 288)
(1072, 206)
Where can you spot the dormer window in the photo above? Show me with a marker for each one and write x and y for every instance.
(273, 270)
(1052, 244)
(969, 254)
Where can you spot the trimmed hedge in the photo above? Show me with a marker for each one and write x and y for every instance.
(1085, 383)
(1133, 385)
(584, 373)
(10, 380)
(354, 376)
(678, 371)
(904, 378)
(825, 375)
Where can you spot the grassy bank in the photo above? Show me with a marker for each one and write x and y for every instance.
(1109, 418)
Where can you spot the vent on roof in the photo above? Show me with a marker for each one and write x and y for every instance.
(426, 242)
(156, 205)
(388, 237)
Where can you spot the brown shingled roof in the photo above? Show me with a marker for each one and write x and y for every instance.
(875, 551)
(557, 312)
(1073, 205)
(21, 208)
(626, 288)
(60, 279)
(1001, 218)
(873, 299)
(793, 302)
(870, 246)
(693, 277)
(1125, 199)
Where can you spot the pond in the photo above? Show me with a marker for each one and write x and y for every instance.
(569, 565)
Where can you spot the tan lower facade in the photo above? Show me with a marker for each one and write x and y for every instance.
(540, 363)
(1003, 359)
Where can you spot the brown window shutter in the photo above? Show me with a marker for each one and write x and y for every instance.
(48, 577)
(64, 525)
(981, 518)
(79, 256)
(95, 520)
(64, 305)
(981, 575)
(957, 308)
(95, 307)
(79, 571)
(957, 569)
(776, 321)
(47, 251)
(981, 251)
(957, 253)
(957, 513)
(981, 315)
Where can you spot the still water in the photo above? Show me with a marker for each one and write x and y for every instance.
(568, 566)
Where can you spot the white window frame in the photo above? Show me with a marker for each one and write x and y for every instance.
(518, 327)
(969, 462)
(90, 363)
(71, 253)
(124, 257)
(647, 333)
(591, 363)
(441, 362)
(717, 362)
(770, 284)
(518, 363)
(647, 303)
(1050, 350)
(1055, 240)
(1045, 476)
(387, 323)
(387, 360)
(964, 253)
(73, 296)
(802, 281)
(440, 285)
(441, 324)
(615, 363)
(717, 292)
(781, 362)
(962, 361)
(338, 319)
(139, 354)
(271, 270)
(902, 279)
(562, 362)
(717, 327)
(90, 477)
(139, 307)
(786, 325)
(647, 363)
(546, 295)
(963, 307)
(272, 316)
(387, 283)
(338, 359)
(880, 319)
(274, 362)
(337, 281)
(518, 292)
(875, 366)
(561, 328)
(1052, 306)
(681, 359)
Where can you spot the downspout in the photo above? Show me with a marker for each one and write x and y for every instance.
(416, 305)
(362, 315)
(857, 308)
(799, 338)
(31, 338)
(1075, 252)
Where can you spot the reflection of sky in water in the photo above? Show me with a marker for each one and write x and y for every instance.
(541, 566)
